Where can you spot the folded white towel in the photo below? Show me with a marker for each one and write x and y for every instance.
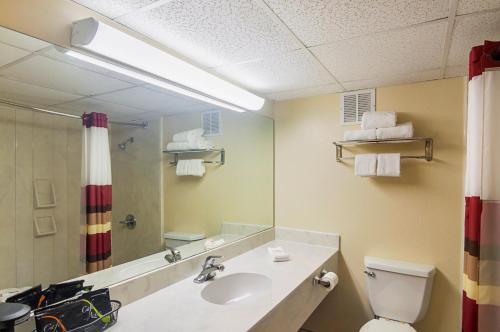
(373, 120)
(278, 254)
(201, 144)
(404, 130)
(190, 167)
(188, 135)
(360, 135)
(212, 244)
(365, 164)
(388, 164)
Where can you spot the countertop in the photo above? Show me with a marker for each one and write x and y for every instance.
(180, 307)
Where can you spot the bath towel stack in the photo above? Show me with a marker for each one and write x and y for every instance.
(380, 125)
(189, 140)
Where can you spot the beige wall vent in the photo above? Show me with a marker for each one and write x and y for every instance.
(211, 122)
(354, 103)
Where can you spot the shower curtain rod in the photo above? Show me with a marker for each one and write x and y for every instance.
(42, 110)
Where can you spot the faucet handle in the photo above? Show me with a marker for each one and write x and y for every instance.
(210, 260)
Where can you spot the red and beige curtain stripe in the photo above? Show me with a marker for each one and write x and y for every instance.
(481, 279)
(98, 192)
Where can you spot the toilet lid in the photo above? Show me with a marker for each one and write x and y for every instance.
(385, 325)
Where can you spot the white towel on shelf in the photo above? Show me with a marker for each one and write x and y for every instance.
(388, 164)
(188, 135)
(200, 144)
(404, 130)
(360, 135)
(374, 120)
(365, 164)
(190, 167)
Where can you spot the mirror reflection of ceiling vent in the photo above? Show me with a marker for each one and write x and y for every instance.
(354, 103)
(211, 122)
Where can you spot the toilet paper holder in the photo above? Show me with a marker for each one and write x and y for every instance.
(317, 280)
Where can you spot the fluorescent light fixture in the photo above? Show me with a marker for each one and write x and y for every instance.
(101, 39)
(149, 79)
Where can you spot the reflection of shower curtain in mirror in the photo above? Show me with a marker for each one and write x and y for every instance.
(481, 295)
(96, 170)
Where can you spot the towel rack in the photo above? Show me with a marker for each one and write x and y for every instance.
(176, 154)
(428, 147)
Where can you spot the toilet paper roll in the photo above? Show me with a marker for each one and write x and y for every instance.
(332, 278)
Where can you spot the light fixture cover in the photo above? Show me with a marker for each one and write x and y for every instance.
(102, 39)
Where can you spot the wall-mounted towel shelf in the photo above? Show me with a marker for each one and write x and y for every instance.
(176, 154)
(428, 147)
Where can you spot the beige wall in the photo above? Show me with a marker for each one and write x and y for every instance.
(417, 217)
(34, 146)
(240, 191)
(137, 190)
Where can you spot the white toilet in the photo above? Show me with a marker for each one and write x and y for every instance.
(399, 294)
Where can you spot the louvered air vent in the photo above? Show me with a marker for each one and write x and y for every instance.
(353, 104)
(211, 123)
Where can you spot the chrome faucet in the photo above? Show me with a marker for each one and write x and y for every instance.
(174, 256)
(209, 268)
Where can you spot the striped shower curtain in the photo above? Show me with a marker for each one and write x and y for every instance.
(481, 294)
(97, 181)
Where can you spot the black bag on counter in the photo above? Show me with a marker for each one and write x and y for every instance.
(89, 312)
(30, 297)
(62, 291)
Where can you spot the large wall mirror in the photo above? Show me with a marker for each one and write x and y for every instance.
(170, 200)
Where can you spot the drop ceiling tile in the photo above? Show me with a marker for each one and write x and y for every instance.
(146, 99)
(10, 54)
(55, 54)
(57, 75)
(289, 71)
(470, 6)
(307, 92)
(456, 71)
(386, 80)
(20, 40)
(321, 21)
(114, 8)
(31, 94)
(471, 30)
(88, 105)
(408, 50)
(213, 33)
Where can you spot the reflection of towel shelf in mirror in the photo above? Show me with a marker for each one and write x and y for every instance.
(176, 154)
(428, 147)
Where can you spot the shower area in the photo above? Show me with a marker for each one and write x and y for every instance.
(43, 224)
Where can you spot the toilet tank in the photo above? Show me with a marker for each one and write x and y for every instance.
(398, 290)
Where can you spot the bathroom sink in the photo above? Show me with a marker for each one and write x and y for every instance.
(236, 288)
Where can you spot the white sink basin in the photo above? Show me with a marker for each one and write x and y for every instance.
(237, 288)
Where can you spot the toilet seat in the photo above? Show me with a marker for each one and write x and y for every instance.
(385, 325)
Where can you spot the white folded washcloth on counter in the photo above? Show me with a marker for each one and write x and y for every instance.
(388, 164)
(212, 244)
(190, 167)
(365, 164)
(374, 120)
(360, 135)
(404, 130)
(201, 144)
(188, 135)
(278, 254)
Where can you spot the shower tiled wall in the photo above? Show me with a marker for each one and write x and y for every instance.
(136, 190)
(34, 146)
